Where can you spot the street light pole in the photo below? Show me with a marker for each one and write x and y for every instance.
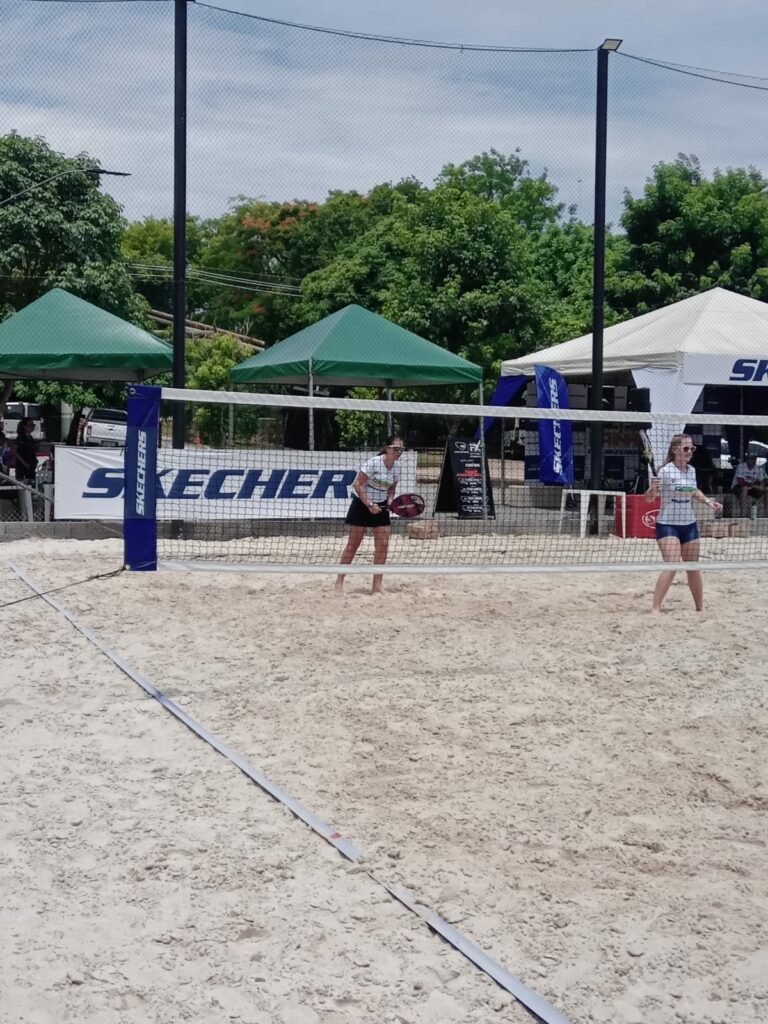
(97, 171)
(179, 216)
(598, 266)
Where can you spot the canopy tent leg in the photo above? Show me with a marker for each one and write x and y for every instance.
(389, 414)
(482, 453)
(501, 460)
(311, 391)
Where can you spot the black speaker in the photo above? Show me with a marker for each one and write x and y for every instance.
(639, 400)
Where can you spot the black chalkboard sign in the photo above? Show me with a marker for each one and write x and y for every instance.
(461, 482)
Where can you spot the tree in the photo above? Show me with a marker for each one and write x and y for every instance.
(687, 233)
(209, 361)
(563, 258)
(63, 232)
(505, 180)
(456, 267)
(147, 247)
(256, 241)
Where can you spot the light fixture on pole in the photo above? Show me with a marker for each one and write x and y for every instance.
(96, 171)
(611, 45)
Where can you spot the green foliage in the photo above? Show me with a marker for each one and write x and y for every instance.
(149, 244)
(687, 233)
(485, 262)
(505, 180)
(209, 361)
(453, 267)
(63, 232)
(52, 392)
(361, 429)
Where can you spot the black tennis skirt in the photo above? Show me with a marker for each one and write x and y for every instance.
(360, 515)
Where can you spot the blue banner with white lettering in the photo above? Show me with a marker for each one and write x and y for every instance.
(139, 515)
(555, 436)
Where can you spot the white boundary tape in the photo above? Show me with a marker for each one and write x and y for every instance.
(360, 569)
(450, 409)
(328, 833)
(530, 999)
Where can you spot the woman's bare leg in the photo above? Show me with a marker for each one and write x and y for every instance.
(380, 548)
(690, 553)
(670, 552)
(356, 534)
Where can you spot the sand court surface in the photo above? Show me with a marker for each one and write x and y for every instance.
(580, 788)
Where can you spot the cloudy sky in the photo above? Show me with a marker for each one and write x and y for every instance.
(284, 112)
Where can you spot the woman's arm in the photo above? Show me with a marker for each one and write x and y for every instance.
(654, 490)
(701, 496)
(358, 486)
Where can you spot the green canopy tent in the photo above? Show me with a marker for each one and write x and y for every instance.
(62, 337)
(354, 347)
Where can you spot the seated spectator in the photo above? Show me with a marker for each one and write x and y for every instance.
(749, 484)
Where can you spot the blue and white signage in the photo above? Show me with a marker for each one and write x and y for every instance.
(200, 484)
(555, 436)
(751, 371)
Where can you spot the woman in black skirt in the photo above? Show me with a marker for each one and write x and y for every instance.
(374, 487)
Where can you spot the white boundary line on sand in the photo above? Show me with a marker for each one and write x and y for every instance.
(530, 999)
(366, 568)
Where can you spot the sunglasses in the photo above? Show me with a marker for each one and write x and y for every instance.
(687, 447)
(396, 447)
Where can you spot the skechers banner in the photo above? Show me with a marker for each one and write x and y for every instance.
(555, 436)
(199, 484)
(705, 369)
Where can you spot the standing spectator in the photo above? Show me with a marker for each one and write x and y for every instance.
(26, 465)
(26, 452)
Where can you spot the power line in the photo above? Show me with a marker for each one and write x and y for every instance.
(705, 73)
(400, 41)
(162, 271)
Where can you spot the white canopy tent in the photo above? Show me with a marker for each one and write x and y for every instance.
(700, 337)
(717, 337)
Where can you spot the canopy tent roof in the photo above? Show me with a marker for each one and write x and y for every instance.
(715, 323)
(354, 347)
(62, 337)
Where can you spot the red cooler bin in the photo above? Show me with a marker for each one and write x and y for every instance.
(641, 516)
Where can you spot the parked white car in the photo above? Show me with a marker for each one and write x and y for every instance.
(728, 462)
(760, 450)
(15, 412)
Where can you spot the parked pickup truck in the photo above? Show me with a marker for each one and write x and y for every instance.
(105, 428)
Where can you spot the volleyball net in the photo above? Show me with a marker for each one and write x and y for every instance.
(265, 482)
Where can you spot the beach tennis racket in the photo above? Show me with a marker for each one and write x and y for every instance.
(407, 506)
(648, 452)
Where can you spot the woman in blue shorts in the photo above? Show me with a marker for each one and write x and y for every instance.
(677, 532)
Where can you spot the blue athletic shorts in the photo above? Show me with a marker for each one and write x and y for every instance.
(685, 534)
